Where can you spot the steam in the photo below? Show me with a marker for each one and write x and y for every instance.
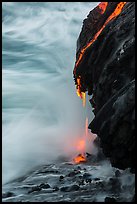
(42, 115)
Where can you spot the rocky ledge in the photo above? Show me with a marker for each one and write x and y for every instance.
(107, 72)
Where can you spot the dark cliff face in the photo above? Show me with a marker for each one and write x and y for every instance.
(107, 72)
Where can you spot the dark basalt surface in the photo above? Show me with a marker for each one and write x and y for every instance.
(108, 74)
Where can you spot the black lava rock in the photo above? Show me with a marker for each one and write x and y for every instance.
(73, 173)
(115, 184)
(86, 175)
(117, 173)
(45, 186)
(97, 179)
(55, 188)
(74, 188)
(61, 177)
(107, 72)
(133, 200)
(7, 194)
(70, 188)
(64, 188)
(88, 180)
(109, 199)
(35, 188)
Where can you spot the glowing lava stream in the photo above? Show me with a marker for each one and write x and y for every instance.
(81, 146)
(82, 95)
(102, 7)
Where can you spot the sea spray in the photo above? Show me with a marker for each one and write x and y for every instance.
(41, 111)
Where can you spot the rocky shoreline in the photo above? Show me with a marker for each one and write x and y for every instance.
(66, 182)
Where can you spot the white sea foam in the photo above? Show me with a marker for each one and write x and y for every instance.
(41, 114)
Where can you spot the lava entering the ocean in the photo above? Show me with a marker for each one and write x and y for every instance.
(81, 146)
(80, 158)
(102, 7)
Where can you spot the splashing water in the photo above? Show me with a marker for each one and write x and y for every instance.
(41, 114)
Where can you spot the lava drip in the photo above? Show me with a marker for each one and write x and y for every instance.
(80, 93)
(81, 146)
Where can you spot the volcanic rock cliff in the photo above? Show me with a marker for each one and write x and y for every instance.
(105, 67)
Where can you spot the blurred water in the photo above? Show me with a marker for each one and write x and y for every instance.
(41, 113)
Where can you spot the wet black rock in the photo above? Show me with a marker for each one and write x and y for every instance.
(79, 200)
(74, 188)
(117, 173)
(107, 72)
(64, 188)
(35, 188)
(61, 177)
(44, 186)
(78, 167)
(73, 173)
(70, 188)
(39, 187)
(133, 200)
(49, 171)
(8, 194)
(97, 179)
(114, 184)
(86, 175)
(81, 182)
(55, 188)
(110, 199)
(88, 180)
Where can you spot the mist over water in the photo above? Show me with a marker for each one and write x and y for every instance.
(41, 113)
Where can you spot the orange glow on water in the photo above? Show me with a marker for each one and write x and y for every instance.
(81, 146)
(84, 99)
(80, 158)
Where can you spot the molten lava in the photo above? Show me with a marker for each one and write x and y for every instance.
(81, 94)
(80, 158)
(81, 146)
(102, 6)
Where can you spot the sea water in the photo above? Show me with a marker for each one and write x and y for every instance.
(41, 113)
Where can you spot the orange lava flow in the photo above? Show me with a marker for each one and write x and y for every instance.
(81, 146)
(79, 88)
(84, 99)
(116, 12)
(80, 158)
(102, 7)
(82, 95)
